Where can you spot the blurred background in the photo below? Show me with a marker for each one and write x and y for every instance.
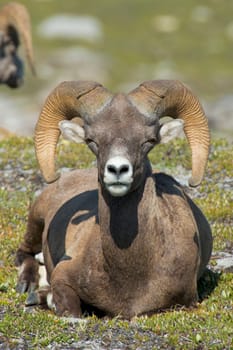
(121, 43)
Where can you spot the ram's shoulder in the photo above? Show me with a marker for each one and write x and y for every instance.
(166, 184)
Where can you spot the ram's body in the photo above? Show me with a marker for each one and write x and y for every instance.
(127, 246)
(14, 26)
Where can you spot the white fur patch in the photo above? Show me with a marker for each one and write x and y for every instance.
(40, 258)
(171, 130)
(72, 131)
(50, 302)
(43, 282)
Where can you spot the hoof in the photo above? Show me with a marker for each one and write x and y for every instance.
(32, 299)
(21, 287)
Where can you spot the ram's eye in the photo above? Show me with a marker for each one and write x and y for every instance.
(92, 145)
(152, 141)
(148, 144)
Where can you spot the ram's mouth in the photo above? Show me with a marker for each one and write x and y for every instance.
(118, 189)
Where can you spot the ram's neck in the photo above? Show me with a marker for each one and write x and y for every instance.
(126, 223)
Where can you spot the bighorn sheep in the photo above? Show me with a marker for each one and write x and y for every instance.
(14, 25)
(121, 238)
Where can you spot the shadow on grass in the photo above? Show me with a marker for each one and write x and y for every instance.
(207, 283)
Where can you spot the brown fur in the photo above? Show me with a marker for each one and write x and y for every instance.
(153, 264)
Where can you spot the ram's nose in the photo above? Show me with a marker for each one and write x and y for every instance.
(118, 171)
(118, 175)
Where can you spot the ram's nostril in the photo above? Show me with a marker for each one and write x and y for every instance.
(118, 169)
(112, 169)
(123, 169)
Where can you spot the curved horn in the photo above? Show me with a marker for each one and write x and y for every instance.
(160, 98)
(16, 15)
(83, 99)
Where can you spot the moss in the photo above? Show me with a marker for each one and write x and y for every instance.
(171, 155)
(71, 156)
(17, 152)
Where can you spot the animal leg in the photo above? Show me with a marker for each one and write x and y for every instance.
(28, 277)
(65, 299)
(41, 296)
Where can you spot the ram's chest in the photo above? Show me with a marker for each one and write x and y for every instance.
(130, 292)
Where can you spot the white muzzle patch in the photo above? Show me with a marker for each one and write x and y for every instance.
(118, 176)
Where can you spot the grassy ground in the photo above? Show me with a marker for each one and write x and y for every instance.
(209, 326)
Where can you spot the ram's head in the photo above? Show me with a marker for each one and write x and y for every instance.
(121, 129)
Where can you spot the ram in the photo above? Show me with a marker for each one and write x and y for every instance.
(14, 25)
(119, 238)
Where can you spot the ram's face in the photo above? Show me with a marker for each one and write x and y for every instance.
(11, 67)
(120, 137)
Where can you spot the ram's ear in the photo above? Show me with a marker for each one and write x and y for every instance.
(171, 130)
(72, 131)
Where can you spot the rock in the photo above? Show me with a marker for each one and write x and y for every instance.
(220, 113)
(71, 27)
(166, 23)
(201, 14)
(83, 63)
(18, 115)
(224, 262)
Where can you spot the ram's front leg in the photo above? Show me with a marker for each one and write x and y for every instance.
(33, 280)
(28, 274)
(65, 299)
(41, 295)
(28, 278)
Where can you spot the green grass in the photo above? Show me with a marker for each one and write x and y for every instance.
(208, 326)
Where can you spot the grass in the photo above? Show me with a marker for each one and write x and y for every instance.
(208, 326)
